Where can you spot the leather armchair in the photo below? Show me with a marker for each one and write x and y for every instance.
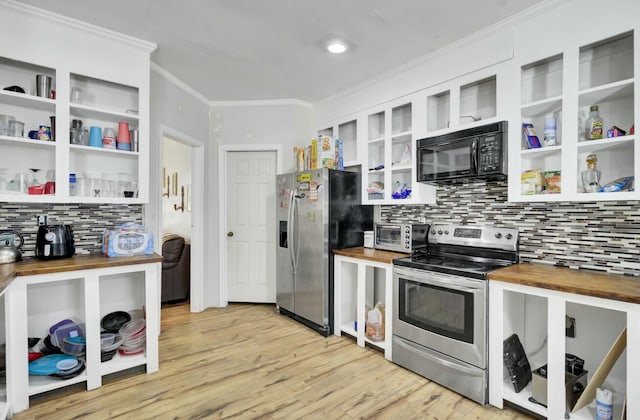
(176, 274)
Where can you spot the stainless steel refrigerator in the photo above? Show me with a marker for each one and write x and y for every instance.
(318, 211)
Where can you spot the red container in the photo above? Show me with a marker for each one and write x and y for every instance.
(50, 187)
(36, 189)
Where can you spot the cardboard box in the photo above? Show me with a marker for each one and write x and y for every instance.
(314, 153)
(328, 152)
(339, 155)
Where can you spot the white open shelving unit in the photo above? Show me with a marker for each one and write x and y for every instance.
(564, 85)
(112, 73)
(34, 303)
(358, 283)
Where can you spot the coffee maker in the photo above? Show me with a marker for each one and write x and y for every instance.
(54, 241)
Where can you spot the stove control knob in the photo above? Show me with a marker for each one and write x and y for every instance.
(498, 235)
(433, 231)
(439, 232)
(508, 236)
(446, 232)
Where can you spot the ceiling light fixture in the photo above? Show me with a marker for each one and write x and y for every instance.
(336, 47)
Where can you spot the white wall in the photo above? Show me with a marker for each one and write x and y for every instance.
(185, 116)
(288, 125)
(176, 158)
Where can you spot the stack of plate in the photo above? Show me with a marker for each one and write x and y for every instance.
(61, 366)
(133, 337)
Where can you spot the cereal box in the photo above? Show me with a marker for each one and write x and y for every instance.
(327, 152)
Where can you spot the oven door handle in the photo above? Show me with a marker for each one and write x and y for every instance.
(441, 283)
(413, 348)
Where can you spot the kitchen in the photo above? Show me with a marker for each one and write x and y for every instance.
(551, 232)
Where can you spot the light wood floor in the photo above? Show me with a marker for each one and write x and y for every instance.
(247, 361)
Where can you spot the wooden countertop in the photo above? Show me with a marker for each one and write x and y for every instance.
(370, 254)
(32, 266)
(582, 282)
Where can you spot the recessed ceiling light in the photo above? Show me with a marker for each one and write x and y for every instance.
(336, 47)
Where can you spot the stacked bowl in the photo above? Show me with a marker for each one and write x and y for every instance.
(134, 337)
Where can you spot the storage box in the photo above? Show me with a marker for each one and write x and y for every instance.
(574, 384)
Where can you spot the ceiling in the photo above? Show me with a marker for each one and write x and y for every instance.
(263, 50)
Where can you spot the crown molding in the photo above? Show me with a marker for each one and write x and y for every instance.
(265, 102)
(87, 27)
(178, 82)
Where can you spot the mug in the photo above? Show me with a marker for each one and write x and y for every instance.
(95, 136)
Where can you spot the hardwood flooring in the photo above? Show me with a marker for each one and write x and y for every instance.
(247, 361)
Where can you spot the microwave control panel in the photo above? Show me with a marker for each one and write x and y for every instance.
(490, 154)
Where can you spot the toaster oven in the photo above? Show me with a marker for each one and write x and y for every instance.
(400, 237)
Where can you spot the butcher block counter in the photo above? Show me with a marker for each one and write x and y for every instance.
(592, 315)
(32, 266)
(582, 282)
(369, 254)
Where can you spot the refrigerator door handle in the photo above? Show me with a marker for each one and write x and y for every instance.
(290, 239)
(296, 244)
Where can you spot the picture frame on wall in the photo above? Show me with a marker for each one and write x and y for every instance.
(189, 197)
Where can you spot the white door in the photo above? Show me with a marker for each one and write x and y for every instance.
(251, 195)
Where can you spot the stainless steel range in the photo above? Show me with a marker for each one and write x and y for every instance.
(440, 299)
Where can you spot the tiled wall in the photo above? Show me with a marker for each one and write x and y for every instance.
(603, 236)
(89, 221)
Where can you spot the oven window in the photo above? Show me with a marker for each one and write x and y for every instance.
(449, 159)
(389, 235)
(442, 311)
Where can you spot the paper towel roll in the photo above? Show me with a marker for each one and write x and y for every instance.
(604, 404)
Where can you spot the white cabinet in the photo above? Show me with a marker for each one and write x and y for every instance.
(389, 166)
(537, 316)
(563, 86)
(112, 73)
(360, 283)
(347, 131)
(35, 302)
(460, 103)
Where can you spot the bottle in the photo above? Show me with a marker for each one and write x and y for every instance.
(549, 138)
(595, 126)
(591, 177)
(72, 185)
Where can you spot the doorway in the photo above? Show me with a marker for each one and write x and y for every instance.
(190, 175)
(247, 222)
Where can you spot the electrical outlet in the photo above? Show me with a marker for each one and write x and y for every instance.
(570, 327)
(42, 219)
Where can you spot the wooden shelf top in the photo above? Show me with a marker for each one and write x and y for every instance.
(32, 266)
(370, 254)
(563, 279)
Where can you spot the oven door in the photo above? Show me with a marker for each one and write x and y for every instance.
(447, 160)
(443, 312)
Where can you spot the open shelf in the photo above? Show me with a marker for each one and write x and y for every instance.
(607, 93)
(540, 152)
(542, 107)
(110, 115)
(26, 100)
(522, 398)
(612, 143)
(40, 384)
(120, 363)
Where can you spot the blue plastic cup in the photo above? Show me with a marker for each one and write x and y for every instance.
(95, 136)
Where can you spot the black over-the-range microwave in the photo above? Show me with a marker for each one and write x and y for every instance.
(478, 152)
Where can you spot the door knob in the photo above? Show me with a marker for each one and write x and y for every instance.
(229, 234)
